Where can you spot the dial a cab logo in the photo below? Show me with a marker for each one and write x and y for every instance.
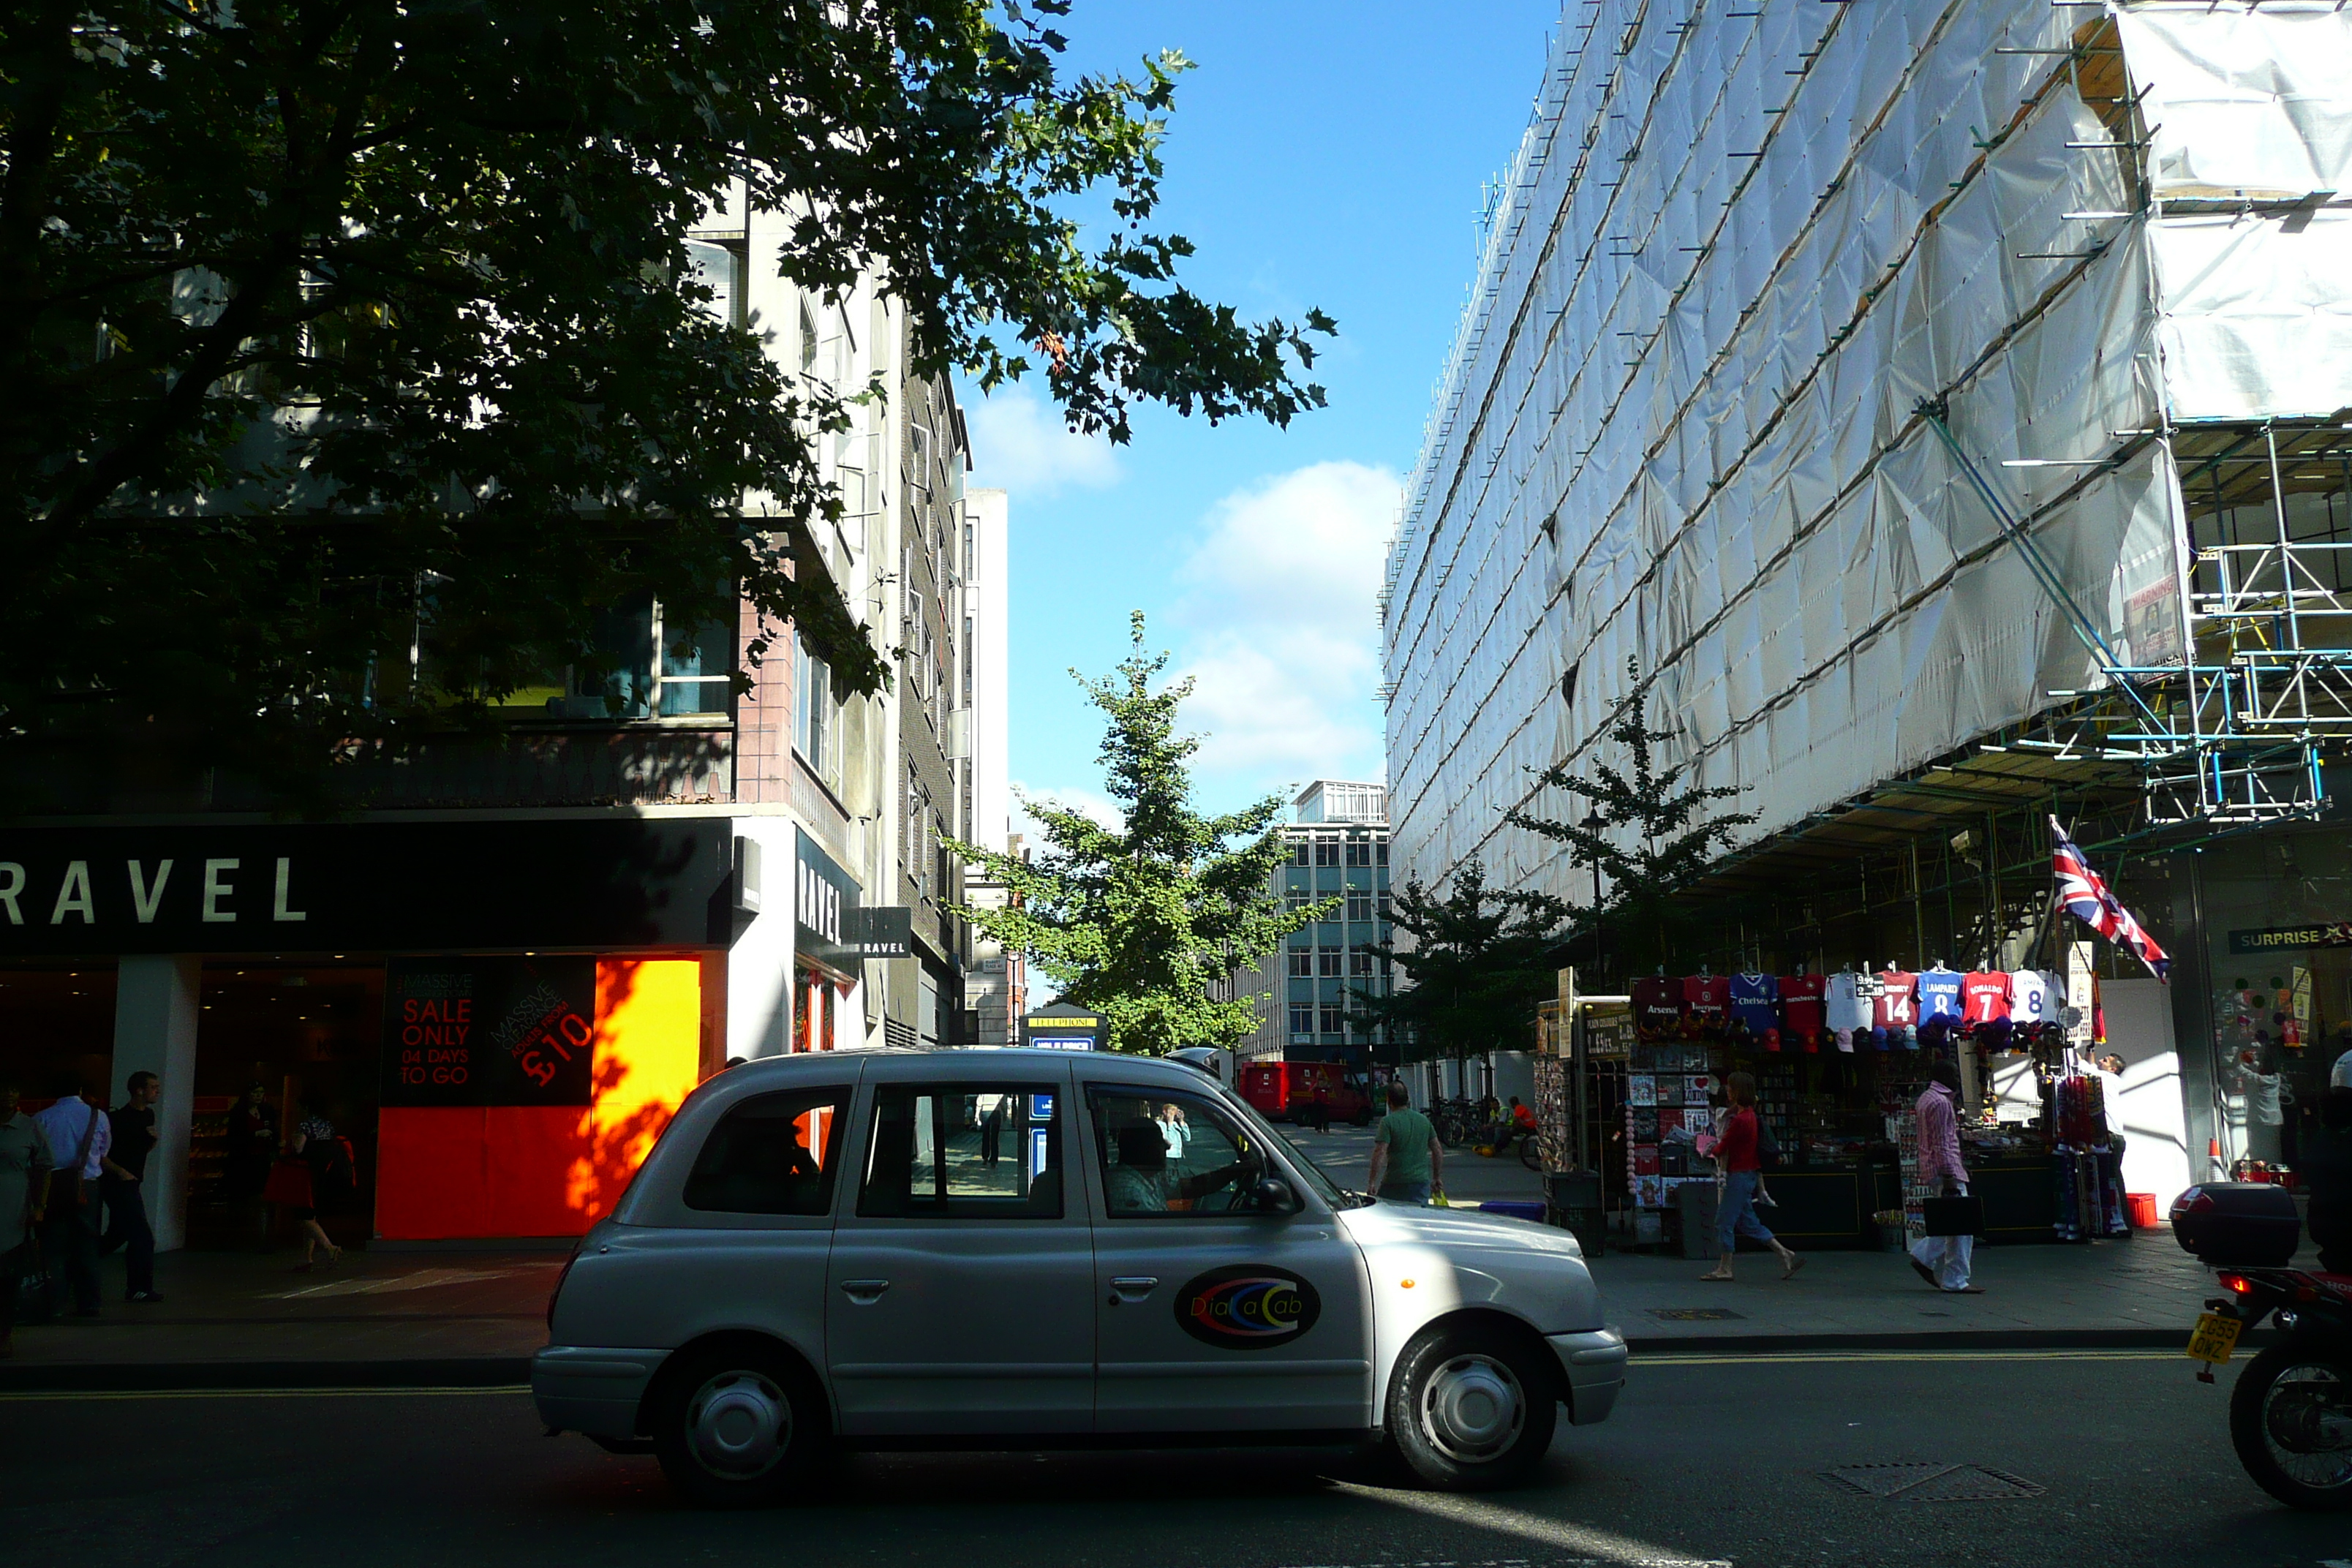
(1247, 1307)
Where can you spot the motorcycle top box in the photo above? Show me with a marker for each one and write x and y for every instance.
(2241, 1224)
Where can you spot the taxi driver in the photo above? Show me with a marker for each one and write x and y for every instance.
(1139, 1182)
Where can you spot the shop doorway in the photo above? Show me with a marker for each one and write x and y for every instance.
(309, 1036)
(55, 1017)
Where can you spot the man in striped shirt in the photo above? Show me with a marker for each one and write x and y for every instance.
(1943, 1260)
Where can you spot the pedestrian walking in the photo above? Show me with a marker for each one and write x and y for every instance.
(122, 1186)
(1408, 1162)
(1320, 1107)
(77, 1135)
(1943, 1261)
(1740, 1166)
(24, 1183)
(249, 1151)
(309, 1181)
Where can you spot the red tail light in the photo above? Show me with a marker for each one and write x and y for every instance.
(2237, 1284)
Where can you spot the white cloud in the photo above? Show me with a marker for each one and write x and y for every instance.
(1279, 608)
(1018, 444)
(1070, 797)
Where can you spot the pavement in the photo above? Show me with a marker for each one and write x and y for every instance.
(455, 1318)
(1929, 1459)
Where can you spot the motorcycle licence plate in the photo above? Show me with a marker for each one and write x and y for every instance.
(2214, 1338)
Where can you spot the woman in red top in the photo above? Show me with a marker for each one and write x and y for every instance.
(1742, 1168)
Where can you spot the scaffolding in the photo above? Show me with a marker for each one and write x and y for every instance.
(1877, 382)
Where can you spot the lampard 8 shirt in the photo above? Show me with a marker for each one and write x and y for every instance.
(1940, 994)
(1893, 1007)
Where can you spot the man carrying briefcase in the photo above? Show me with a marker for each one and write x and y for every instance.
(1942, 1257)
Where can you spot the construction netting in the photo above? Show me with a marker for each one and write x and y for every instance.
(1745, 263)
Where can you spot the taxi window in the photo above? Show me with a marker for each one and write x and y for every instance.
(965, 1151)
(774, 1153)
(1173, 1155)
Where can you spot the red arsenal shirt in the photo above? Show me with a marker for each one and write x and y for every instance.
(1657, 1004)
(1895, 1004)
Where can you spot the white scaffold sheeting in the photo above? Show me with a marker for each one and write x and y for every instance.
(2257, 314)
(2244, 101)
(1683, 424)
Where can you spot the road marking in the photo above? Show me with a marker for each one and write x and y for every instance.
(25, 1395)
(1815, 1357)
(381, 1285)
(1591, 1544)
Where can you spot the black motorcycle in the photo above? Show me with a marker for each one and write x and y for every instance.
(2291, 1413)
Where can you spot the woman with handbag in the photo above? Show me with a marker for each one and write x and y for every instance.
(306, 1179)
(24, 1179)
(1738, 1157)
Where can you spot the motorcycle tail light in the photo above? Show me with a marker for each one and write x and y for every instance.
(2237, 1284)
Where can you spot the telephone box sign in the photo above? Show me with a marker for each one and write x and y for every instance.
(488, 1031)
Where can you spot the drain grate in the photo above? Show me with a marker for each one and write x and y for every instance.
(1694, 1314)
(1932, 1483)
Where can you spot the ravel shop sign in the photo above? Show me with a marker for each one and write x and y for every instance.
(826, 918)
(373, 887)
(488, 1031)
(2275, 939)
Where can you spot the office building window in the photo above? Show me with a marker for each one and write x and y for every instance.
(1302, 1018)
(1296, 898)
(1326, 961)
(1302, 963)
(1359, 903)
(1299, 851)
(1380, 852)
(1327, 852)
(1359, 852)
(1359, 963)
(1332, 1019)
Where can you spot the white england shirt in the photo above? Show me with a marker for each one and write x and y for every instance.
(1846, 1003)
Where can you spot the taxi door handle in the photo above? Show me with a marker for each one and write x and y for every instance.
(1132, 1287)
(864, 1292)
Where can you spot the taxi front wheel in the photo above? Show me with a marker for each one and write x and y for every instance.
(1472, 1408)
(739, 1425)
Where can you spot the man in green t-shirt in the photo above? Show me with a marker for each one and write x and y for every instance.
(1407, 1159)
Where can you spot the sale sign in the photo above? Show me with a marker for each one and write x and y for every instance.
(488, 1031)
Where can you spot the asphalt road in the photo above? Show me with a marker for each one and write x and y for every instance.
(1706, 1461)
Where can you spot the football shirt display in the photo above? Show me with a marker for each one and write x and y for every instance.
(1940, 994)
(1657, 1005)
(1896, 1004)
(2031, 999)
(1802, 1003)
(1845, 1001)
(1752, 1001)
(1984, 996)
(1706, 999)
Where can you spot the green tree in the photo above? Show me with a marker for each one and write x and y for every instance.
(330, 327)
(1139, 921)
(1481, 959)
(1646, 830)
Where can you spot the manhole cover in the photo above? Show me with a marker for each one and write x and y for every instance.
(1932, 1482)
(1693, 1314)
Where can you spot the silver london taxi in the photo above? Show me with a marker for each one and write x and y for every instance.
(1027, 1248)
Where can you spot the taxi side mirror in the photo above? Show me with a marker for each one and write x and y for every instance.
(1273, 1196)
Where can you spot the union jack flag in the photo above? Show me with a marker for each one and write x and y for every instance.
(2085, 891)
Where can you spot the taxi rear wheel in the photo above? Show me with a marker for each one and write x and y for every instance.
(1471, 1407)
(738, 1425)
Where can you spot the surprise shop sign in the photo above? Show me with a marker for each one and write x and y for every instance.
(373, 887)
(488, 1031)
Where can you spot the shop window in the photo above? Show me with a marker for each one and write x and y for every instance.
(1326, 961)
(774, 1154)
(1198, 1161)
(964, 1151)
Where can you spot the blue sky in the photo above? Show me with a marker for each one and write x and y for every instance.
(1320, 154)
